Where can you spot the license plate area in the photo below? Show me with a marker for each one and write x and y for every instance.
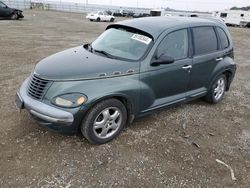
(19, 102)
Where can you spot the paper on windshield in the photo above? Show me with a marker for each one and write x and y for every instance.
(141, 38)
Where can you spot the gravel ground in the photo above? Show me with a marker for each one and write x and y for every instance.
(173, 148)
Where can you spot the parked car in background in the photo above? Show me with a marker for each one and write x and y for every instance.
(100, 16)
(109, 12)
(127, 13)
(134, 68)
(9, 13)
(123, 13)
(117, 13)
(140, 15)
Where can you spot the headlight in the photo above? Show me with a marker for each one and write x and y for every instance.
(70, 100)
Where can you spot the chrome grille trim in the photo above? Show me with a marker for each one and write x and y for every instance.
(37, 87)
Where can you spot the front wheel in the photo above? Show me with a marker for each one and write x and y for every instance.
(217, 91)
(98, 19)
(112, 20)
(14, 16)
(104, 121)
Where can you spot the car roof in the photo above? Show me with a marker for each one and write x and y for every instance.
(154, 26)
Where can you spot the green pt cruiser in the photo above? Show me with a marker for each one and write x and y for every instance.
(134, 68)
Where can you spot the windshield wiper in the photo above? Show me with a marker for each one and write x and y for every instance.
(88, 47)
(104, 53)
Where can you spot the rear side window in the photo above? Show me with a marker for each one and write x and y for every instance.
(175, 45)
(205, 40)
(223, 38)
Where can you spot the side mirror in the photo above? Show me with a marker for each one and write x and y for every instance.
(163, 59)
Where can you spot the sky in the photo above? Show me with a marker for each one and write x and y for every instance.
(201, 5)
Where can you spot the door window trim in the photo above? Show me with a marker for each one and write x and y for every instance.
(193, 43)
(188, 40)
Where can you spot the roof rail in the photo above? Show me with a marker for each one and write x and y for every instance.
(218, 20)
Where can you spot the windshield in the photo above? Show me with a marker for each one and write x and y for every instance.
(122, 44)
(2, 5)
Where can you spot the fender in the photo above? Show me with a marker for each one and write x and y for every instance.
(226, 65)
(124, 87)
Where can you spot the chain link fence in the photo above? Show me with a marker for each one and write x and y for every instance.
(19, 4)
(66, 6)
(83, 7)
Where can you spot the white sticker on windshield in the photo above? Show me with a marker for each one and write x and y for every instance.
(141, 38)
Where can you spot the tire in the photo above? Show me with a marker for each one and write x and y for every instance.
(14, 16)
(91, 20)
(104, 121)
(112, 20)
(217, 91)
(98, 19)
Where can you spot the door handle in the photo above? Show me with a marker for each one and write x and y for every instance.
(187, 67)
(219, 58)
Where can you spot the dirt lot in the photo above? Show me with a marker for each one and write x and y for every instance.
(154, 151)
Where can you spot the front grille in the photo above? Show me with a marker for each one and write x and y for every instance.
(37, 87)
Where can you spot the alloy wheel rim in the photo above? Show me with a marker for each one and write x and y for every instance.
(219, 89)
(107, 123)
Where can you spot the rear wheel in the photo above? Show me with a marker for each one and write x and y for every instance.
(217, 90)
(104, 122)
(98, 19)
(112, 19)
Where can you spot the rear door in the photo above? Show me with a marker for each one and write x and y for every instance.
(206, 57)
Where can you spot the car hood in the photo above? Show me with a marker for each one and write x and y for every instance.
(17, 10)
(78, 63)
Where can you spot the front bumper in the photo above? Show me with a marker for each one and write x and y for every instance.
(20, 15)
(45, 114)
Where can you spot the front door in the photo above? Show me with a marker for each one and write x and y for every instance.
(166, 84)
(105, 16)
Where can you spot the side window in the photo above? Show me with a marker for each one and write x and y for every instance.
(223, 38)
(174, 45)
(205, 40)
